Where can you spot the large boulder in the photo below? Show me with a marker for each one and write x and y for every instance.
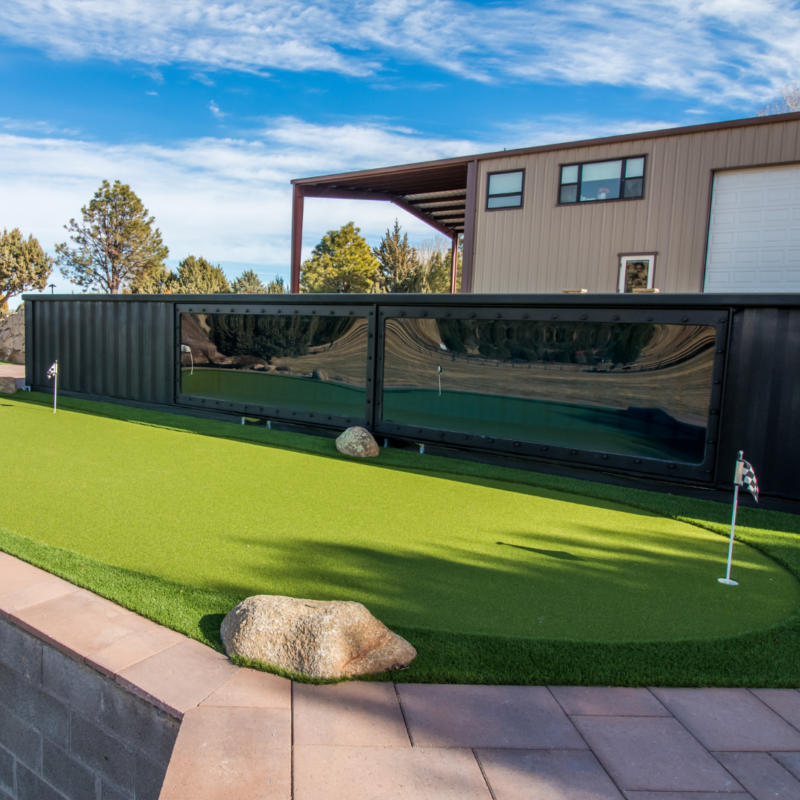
(7, 385)
(358, 442)
(318, 638)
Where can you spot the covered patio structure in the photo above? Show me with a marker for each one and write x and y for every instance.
(440, 193)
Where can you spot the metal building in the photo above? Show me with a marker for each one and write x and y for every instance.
(706, 208)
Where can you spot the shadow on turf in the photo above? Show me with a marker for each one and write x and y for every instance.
(552, 553)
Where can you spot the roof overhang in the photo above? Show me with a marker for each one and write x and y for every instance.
(436, 192)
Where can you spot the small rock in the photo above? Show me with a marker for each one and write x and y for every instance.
(359, 442)
(318, 638)
(8, 385)
(319, 375)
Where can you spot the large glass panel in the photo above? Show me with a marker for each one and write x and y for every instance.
(635, 389)
(601, 181)
(505, 183)
(307, 363)
(509, 201)
(569, 174)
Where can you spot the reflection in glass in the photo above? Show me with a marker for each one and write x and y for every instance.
(505, 183)
(601, 181)
(629, 388)
(637, 274)
(314, 364)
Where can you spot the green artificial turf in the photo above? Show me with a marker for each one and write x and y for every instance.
(496, 575)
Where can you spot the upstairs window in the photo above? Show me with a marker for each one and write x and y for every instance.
(622, 179)
(505, 190)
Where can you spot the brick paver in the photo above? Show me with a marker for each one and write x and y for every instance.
(716, 717)
(761, 775)
(546, 775)
(785, 702)
(80, 623)
(355, 714)
(332, 772)
(608, 702)
(179, 678)
(525, 717)
(654, 754)
(231, 754)
(251, 689)
(378, 741)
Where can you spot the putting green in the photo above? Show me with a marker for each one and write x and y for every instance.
(422, 550)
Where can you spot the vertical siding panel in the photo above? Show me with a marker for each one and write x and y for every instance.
(544, 247)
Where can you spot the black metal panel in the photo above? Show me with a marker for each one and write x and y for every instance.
(125, 347)
(121, 350)
(762, 399)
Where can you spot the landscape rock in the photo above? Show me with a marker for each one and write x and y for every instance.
(319, 375)
(7, 385)
(318, 638)
(358, 442)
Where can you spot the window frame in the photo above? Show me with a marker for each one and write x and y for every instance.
(521, 192)
(640, 256)
(581, 164)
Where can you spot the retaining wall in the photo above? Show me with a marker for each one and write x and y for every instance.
(69, 733)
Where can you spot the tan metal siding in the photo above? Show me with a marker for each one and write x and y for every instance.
(544, 247)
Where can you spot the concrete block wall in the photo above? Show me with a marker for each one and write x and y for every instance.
(68, 732)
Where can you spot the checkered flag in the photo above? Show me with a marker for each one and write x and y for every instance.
(53, 371)
(747, 477)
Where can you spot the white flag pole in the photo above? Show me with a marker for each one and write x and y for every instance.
(737, 482)
(55, 388)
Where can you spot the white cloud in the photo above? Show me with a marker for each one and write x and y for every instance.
(215, 110)
(226, 199)
(718, 50)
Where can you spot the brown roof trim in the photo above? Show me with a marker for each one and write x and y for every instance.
(626, 137)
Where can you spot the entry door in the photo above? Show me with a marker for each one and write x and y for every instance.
(636, 272)
(754, 232)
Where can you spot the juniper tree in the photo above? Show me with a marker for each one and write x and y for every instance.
(341, 262)
(116, 244)
(23, 265)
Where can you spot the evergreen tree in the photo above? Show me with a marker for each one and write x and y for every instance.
(248, 283)
(116, 244)
(435, 256)
(341, 262)
(276, 286)
(197, 276)
(400, 265)
(23, 265)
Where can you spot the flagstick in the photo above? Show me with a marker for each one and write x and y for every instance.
(55, 388)
(727, 579)
(440, 384)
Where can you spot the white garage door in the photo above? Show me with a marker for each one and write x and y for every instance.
(754, 238)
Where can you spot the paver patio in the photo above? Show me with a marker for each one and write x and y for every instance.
(249, 734)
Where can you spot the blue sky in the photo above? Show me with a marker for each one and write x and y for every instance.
(209, 109)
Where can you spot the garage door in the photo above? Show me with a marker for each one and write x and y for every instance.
(754, 235)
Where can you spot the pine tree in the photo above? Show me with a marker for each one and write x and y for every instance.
(248, 283)
(400, 265)
(116, 244)
(276, 286)
(23, 265)
(197, 276)
(341, 262)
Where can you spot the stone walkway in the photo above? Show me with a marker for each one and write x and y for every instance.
(247, 734)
